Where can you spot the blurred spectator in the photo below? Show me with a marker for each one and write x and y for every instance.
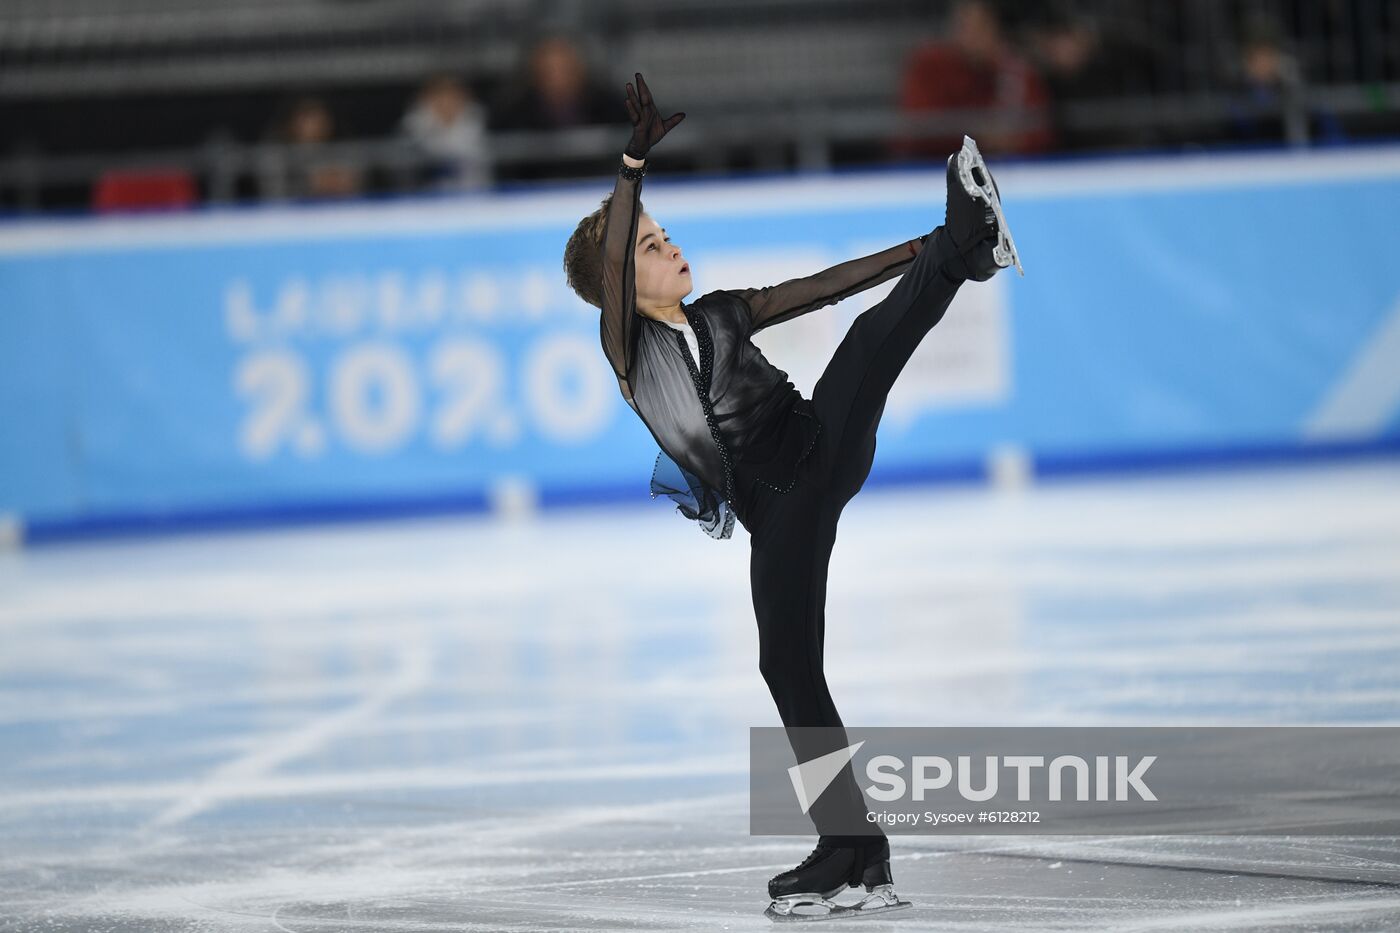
(557, 92)
(975, 69)
(1271, 103)
(307, 167)
(448, 128)
(1080, 61)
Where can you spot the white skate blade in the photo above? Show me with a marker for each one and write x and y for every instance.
(811, 908)
(970, 161)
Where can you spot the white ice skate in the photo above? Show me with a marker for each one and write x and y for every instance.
(977, 181)
(807, 908)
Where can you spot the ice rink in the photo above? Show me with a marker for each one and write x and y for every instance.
(467, 724)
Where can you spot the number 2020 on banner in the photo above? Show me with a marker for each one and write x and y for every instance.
(377, 397)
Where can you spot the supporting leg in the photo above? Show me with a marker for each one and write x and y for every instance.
(788, 572)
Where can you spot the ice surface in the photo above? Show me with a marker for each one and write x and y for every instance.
(464, 725)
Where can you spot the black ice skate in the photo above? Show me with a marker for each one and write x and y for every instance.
(805, 893)
(977, 181)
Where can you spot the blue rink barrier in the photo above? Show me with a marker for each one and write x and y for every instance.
(243, 367)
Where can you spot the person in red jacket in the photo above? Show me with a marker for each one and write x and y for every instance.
(975, 79)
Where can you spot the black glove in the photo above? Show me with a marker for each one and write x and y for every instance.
(647, 126)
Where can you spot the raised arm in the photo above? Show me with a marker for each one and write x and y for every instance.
(619, 318)
(795, 297)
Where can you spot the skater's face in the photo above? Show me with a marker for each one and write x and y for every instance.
(663, 275)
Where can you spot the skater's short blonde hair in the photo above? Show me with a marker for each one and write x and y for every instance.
(583, 255)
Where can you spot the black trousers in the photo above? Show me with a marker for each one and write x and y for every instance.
(792, 533)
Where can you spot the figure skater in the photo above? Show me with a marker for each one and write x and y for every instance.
(739, 440)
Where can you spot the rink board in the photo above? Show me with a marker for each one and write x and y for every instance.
(250, 365)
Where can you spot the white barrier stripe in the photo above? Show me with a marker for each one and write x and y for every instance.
(678, 199)
(1365, 397)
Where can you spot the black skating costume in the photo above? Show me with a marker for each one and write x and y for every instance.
(738, 440)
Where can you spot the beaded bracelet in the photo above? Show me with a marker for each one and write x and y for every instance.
(630, 173)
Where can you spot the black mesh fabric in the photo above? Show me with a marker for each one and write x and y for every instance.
(736, 411)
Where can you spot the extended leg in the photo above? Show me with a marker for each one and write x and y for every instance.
(971, 244)
(849, 398)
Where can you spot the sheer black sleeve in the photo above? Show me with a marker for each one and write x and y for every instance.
(796, 297)
(619, 318)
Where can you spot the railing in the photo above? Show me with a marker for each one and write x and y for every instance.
(805, 139)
